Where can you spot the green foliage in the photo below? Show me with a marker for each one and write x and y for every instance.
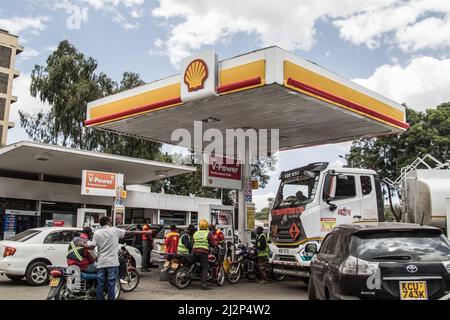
(429, 132)
(264, 213)
(67, 82)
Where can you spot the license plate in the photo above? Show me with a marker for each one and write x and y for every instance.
(54, 282)
(413, 290)
(174, 265)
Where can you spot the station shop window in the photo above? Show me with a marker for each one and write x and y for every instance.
(173, 217)
(2, 108)
(5, 57)
(4, 82)
(194, 218)
(18, 204)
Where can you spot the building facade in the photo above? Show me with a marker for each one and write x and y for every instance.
(9, 48)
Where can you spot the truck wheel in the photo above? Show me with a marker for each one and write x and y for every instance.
(14, 277)
(311, 291)
(278, 276)
(37, 274)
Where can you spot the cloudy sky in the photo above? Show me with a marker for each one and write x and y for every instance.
(395, 47)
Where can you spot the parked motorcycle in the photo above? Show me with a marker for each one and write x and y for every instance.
(127, 272)
(69, 283)
(245, 266)
(182, 269)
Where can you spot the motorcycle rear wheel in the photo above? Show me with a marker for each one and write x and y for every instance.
(63, 293)
(132, 279)
(182, 278)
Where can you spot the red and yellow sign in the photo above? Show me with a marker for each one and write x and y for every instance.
(195, 75)
(97, 183)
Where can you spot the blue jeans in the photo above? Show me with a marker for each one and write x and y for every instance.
(110, 274)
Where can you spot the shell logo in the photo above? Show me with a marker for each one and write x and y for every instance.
(195, 75)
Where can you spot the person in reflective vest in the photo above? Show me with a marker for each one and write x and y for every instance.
(200, 250)
(262, 247)
(78, 252)
(186, 240)
(171, 240)
(147, 246)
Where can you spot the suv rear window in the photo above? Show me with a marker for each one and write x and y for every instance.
(25, 235)
(414, 245)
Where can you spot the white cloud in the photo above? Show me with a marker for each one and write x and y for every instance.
(25, 102)
(404, 23)
(260, 200)
(28, 53)
(423, 83)
(193, 24)
(289, 24)
(18, 25)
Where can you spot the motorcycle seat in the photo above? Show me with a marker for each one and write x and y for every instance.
(88, 275)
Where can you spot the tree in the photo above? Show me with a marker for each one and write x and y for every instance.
(264, 213)
(429, 132)
(67, 82)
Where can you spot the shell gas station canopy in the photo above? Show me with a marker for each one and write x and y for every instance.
(265, 89)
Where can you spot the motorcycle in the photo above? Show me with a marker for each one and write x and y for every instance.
(70, 283)
(127, 272)
(182, 269)
(245, 266)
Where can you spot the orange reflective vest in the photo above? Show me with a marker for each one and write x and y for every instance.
(145, 228)
(171, 242)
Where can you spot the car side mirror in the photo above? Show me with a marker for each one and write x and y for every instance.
(311, 248)
(331, 192)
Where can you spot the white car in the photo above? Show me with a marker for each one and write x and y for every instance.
(28, 253)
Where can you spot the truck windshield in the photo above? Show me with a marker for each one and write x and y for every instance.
(296, 192)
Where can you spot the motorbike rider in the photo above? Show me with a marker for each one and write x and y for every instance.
(262, 247)
(78, 252)
(171, 240)
(200, 250)
(186, 241)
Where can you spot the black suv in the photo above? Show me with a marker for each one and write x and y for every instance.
(381, 261)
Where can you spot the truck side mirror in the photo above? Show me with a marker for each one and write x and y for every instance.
(311, 248)
(331, 192)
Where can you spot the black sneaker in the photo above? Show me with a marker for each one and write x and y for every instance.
(146, 270)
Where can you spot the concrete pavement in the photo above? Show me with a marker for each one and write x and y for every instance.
(150, 288)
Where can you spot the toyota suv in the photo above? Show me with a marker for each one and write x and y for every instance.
(382, 261)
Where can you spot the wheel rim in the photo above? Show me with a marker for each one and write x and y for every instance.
(233, 276)
(64, 293)
(182, 278)
(132, 279)
(221, 277)
(39, 274)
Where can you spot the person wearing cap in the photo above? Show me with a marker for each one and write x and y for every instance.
(185, 243)
(171, 240)
(78, 252)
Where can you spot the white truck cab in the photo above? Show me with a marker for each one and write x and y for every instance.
(312, 200)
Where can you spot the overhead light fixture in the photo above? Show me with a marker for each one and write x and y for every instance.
(210, 120)
(42, 156)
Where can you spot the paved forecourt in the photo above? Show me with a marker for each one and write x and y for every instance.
(150, 288)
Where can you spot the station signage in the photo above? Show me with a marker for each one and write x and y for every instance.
(98, 183)
(221, 172)
(199, 76)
